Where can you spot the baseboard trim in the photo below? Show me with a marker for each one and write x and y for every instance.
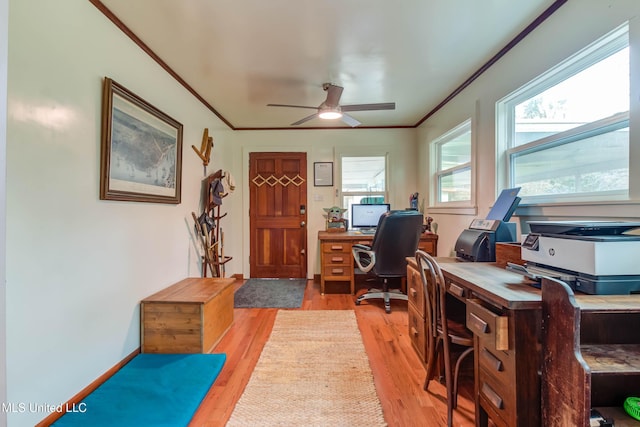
(87, 390)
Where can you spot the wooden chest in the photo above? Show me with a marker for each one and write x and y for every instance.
(188, 317)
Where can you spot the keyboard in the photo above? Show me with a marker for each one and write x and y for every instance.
(368, 231)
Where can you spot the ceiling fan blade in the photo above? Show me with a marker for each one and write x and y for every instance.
(333, 95)
(306, 119)
(292, 106)
(350, 120)
(369, 107)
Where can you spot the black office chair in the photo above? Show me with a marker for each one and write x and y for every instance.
(442, 330)
(396, 238)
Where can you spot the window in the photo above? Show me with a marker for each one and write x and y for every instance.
(363, 180)
(565, 136)
(453, 165)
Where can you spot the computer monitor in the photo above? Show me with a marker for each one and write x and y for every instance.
(367, 216)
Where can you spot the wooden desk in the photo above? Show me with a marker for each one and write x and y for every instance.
(336, 259)
(505, 313)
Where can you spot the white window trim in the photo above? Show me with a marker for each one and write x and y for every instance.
(372, 153)
(612, 42)
(466, 207)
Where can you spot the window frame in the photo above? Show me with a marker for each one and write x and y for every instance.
(340, 194)
(609, 44)
(468, 125)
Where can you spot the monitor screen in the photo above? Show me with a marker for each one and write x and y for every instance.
(367, 216)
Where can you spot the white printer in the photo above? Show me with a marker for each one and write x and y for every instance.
(594, 257)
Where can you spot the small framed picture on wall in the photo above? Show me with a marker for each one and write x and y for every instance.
(323, 174)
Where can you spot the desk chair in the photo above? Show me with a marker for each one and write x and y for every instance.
(442, 332)
(396, 238)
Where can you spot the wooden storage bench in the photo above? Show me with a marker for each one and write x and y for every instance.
(188, 317)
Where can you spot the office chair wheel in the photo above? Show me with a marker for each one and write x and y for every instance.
(358, 301)
(387, 307)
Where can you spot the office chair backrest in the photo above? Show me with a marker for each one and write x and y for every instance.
(396, 238)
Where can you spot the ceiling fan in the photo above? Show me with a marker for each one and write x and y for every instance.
(331, 108)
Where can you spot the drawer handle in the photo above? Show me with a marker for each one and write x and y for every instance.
(493, 361)
(414, 293)
(456, 290)
(493, 397)
(336, 247)
(337, 271)
(337, 259)
(477, 324)
(414, 331)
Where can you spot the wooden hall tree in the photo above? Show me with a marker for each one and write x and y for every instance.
(208, 225)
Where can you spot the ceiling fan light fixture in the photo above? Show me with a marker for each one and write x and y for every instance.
(330, 113)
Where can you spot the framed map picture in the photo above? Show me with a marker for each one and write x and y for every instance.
(141, 152)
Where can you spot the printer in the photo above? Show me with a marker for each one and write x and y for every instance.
(594, 257)
(478, 242)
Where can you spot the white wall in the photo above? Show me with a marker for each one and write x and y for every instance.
(77, 266)
(324, 146)
(4, 45)
(575, 25)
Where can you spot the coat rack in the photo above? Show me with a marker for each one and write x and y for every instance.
(208, 227)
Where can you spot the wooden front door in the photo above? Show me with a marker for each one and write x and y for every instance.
(278, 215)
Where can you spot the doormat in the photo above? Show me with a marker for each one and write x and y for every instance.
(151, 390)
(270, 293)
(313, 372)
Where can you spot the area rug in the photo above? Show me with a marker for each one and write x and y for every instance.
(313, 371)
(270, 293)
(151, 390)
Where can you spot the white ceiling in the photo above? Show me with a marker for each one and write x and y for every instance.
(239, 55)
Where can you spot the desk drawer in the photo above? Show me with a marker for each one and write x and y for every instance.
(499, 365)
(492, 329)
(417, 330)
(415, 290)
(336, 272)
(336, 247)
(428, 246)
(497, 400)
(332, 259)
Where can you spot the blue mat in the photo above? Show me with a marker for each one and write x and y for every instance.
(151, 390)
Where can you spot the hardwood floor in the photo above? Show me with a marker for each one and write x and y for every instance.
(397, 371)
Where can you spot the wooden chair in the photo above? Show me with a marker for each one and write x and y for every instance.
(442, 332)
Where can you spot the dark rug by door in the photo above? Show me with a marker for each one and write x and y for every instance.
(270, 293)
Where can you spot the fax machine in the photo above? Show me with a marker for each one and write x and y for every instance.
(594, 257)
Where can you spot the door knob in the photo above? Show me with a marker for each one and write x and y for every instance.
(302, 223)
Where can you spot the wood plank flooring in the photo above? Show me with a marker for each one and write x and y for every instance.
(397, 371)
